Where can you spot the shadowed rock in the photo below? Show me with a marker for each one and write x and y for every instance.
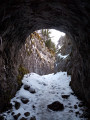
(32, 90)
(23, 118)
(12, 113)
(33, 118)
(24, 100)
(81, 104)
(26, 87)
(65, 96)
(17, 105)
(75, 106)
(27, 114)
(56, 106)
(16, 116)
(1, 117)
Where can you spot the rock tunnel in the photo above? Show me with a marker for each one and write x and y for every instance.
(19, 18)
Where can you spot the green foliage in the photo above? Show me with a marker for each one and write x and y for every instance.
(45, 34)
(22, 71)
(50, 45)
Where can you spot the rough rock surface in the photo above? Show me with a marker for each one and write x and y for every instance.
(56, 106)
(17, 105)
(65, 96)
(16, 116)
(26, 114)
(35, 56)
(19, 18)
(63, 55)
(24, 100)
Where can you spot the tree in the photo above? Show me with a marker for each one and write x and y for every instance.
(50, 45)
(45, 34)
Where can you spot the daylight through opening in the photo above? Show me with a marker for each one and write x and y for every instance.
(43, 50)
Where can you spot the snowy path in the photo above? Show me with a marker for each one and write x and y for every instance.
(47, 88)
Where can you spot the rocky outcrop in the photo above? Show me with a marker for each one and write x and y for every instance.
(35, 56)
(63, 56)
(20, 18)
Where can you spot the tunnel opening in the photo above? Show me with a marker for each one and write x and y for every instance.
(46, 51)
(50, 56)
(38, 54)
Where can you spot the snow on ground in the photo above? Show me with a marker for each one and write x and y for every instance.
(49, 88)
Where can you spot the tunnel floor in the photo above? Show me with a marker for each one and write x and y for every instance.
(37, 92)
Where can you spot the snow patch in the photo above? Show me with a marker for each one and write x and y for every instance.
(63, 56)
(49, 88)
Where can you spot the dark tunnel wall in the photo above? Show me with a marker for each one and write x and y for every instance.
(18, 18)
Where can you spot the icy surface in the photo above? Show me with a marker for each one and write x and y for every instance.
(48, 88)
(63, 56)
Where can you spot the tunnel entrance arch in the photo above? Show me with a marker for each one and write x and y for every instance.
(20, 18)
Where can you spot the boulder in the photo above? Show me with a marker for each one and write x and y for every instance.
(56, 106)
(16, 116)
(17, 105)
(65, 96)
(32, 90)
(23, 118)
(27, 114)
(26, 87)
(24, 100)
(75, 106)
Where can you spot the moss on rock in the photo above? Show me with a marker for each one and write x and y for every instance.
(22, 71)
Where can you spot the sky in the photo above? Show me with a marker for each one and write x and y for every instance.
(55, 34)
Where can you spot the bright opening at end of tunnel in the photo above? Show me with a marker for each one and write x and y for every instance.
(55, 34)
(44, 48)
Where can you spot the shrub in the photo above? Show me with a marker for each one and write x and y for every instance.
(50, 45)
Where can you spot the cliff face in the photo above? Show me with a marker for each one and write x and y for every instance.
(20, 18)
(36, 57)
(64, 55)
